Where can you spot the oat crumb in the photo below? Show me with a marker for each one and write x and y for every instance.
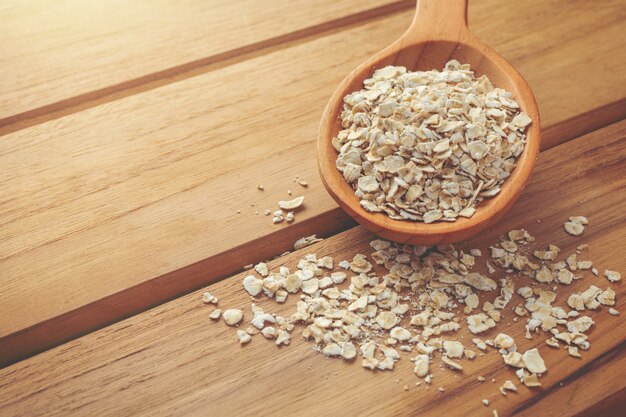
(612, 276)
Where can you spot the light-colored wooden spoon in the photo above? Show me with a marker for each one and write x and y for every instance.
(437, 34)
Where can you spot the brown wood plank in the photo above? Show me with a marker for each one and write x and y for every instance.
(61, 53)
(116, 208)
(172, 360)
(575, 395)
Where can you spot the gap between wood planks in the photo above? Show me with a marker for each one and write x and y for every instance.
(127, 303)
(191, 69)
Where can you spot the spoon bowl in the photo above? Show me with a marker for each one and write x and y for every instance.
(438, 33)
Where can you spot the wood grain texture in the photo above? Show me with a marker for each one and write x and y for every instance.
(172, 360)
(114, 209)
(438, 34)
(52, 54)
(575, 394)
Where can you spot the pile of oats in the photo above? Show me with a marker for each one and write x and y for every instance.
(428, 145)
(411, 301)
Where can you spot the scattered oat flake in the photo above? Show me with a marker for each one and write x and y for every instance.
(413, 305)
(386, 319)
(504, 341)
(451, 364)
(283, 337)
(453, 348)
(291, 204)
(534, 362)
(232, 316)
(479, 344)
(209, 298)
(579, 219)
(269, 332)
(573, 351)
(215, 314)
(574, 228)
(612, 276)
(514, 359)
(480, 322)
(531, 381)
(422, 363)
(552, 342)
(303, 242)
(243, 337)
(508, 386)
(261, 269)
(252, 285)
(348, 350)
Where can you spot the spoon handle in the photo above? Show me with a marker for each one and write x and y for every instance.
(439, 20)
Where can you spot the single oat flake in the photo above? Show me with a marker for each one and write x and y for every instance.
(215, 314)
(575, 226)
(209, 298)
(534, 362)
(252, 285)
(303, 242)
(243, 337)
(508, 386)
(232, 316)
(612, 276)
(291, 204)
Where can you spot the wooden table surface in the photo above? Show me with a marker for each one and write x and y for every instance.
(132, 133)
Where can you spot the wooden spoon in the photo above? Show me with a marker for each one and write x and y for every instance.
(437, 34)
